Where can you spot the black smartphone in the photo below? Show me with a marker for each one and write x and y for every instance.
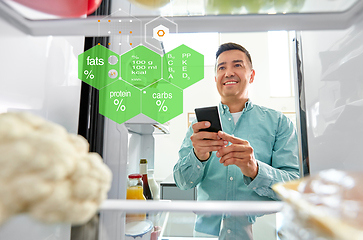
(210, 114)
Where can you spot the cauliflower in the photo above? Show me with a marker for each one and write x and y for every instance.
(47, 172)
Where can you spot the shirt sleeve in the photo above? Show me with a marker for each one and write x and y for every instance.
(285, 161)
(188, 171)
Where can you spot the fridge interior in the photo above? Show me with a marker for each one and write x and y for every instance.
(39, 74)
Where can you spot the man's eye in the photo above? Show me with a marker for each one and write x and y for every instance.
(238, 65)
(221, 68)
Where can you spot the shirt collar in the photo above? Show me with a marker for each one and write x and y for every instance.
(224, 108)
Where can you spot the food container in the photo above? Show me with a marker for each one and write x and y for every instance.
(327, 205)
(147, 4)
(140, 230)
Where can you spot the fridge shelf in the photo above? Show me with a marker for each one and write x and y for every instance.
(91, 26)
(210, 207)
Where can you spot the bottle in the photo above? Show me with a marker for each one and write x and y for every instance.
(143, 172)
(154, 187)
(135, 192)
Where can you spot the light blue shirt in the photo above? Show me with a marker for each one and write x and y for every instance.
(273, 138)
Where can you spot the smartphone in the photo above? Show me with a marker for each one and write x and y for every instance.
(210, 114)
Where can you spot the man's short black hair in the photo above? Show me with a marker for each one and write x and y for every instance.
(233, 46)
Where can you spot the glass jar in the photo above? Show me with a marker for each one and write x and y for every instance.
(135, 192)
(134, 187)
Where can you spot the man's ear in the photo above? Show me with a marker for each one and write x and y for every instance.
(252, 76)
(215, 78)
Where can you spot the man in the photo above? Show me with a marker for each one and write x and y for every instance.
(257, 148)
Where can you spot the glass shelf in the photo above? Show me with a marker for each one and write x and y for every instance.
(173, 8)
(210, 207)
(195, 16)
(176, 219)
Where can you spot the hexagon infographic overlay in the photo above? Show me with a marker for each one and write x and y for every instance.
(162, 101)
(140, 80)
(140, 66)
(119, 101)
(183, 66)
(98, 66)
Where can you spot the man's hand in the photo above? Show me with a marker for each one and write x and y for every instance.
(205, 142)
(239, 153)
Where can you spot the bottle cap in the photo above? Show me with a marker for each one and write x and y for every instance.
(135, 175)
(143, 161)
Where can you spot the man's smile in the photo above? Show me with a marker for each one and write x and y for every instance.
(230, 82)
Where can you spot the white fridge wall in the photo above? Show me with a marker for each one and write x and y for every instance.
(25, 227)
(332, 62)
(40, 75)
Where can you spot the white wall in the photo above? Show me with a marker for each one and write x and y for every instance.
(204, 93)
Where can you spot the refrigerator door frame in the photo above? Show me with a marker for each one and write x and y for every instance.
(263, 22)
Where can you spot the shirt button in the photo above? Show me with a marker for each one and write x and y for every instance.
(254, 188)
(229, 119)
(224, 107)
(229, 231)
(231, 178)
(191, 182)
(198, 166)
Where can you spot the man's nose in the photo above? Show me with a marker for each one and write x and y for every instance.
(229, 73)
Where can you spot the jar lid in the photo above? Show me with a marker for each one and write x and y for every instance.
(143, 161)
(138, 229)
(135, 175)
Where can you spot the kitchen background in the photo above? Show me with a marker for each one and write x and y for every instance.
(273, 85)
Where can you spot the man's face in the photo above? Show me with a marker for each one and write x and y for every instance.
(233, 75)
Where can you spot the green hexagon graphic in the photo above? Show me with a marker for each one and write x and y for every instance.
(140, 66)
(162, 101)
(98, 66)
(119, 101)
(183, 66)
